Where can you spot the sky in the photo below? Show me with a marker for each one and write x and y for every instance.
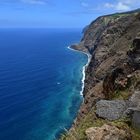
(59, 13)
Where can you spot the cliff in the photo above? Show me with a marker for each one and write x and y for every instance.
(111, 107)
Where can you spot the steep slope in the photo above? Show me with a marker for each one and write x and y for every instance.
(113, 73)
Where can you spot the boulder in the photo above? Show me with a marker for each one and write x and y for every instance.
(111, 110)
(136, 119)
(107, 132)
(134, 109)
(135, 99)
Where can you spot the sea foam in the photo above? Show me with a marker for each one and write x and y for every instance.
(84, 68)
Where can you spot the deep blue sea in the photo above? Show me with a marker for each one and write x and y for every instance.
(40, 82)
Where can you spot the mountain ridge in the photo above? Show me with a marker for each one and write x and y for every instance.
(112, 82)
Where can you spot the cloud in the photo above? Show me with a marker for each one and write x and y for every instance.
(120, 6)
(40, 2)
(123, 5)
(131, 3)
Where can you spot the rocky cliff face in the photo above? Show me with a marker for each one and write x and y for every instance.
(112, 76)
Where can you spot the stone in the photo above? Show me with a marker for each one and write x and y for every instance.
(134, 104)
(110, 110)
(134, 110)
(136, 119)
(107, 132)
(135, 99)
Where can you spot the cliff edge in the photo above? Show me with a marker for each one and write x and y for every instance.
(111, 107)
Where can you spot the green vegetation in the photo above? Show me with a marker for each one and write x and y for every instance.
(122, 94)
(92, 121)
(119, 15)
(89, 121)
(125, 123)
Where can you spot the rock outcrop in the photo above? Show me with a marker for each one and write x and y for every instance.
(109, 82)
(112, 78)
(113, 43)
(136, 119)
(134, 54)
(107, 132)
(111, 110)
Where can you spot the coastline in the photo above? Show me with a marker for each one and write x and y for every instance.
(84, 68)
(112, 81)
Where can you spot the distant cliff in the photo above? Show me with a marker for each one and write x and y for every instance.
(111, 107)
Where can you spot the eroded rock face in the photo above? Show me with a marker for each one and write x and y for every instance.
(134, 54)
(136, 119)
(108, 39)
(135, 99)
(109, 85)
(107, 132)
(134, 104)
(134, 109)
(111, 110)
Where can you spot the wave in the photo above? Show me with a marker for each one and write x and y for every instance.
(84, 68)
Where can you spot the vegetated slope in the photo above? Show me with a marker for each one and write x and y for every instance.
(112, 84)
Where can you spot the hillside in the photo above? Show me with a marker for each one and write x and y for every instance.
(111, 107)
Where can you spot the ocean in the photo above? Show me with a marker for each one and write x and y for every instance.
(40, 82)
